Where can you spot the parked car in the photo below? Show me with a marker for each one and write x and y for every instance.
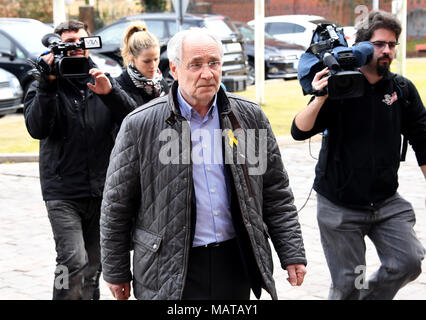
(20, 40)
(164, 26)
(297, 28)
(350, 35)
(10, 93)
(281, 58)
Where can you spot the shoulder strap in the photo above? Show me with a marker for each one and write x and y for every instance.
(402, 87)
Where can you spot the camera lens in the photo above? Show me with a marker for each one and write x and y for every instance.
(344, 83)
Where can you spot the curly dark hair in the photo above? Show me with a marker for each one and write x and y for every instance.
(378, 19)
(71, 25)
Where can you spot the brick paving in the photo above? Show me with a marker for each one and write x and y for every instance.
(27, 259)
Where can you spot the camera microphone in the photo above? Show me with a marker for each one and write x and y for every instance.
(51, 39)
(331, 62)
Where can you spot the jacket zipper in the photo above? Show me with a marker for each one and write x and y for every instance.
(235, 125)
(188, 222)
(372, 146)
(250, 238)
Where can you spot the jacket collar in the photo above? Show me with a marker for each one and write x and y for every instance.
(223, 104)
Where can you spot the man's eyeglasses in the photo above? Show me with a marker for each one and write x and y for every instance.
(196, 66)
(382, 44)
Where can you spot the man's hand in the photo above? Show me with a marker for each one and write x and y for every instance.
(296, 274)
(120, 291)
(102, 84)
(319, 83)
(49, 58)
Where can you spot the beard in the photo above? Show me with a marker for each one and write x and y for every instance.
(382, 68)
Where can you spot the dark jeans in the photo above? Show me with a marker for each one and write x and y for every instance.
(390, 228)
(75, 226)
(216, 273)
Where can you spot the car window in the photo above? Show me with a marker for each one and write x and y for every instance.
(5, 43)
(113, 34)
(20, 54)
(220, 27)
(157, 28)
(248, 33)
(28, 35)
(298, 28)
(275, 28)
(186, 25)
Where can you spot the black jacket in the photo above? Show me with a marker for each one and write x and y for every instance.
(76, 131)
(138, 94)
(359, 159)
(158, 197)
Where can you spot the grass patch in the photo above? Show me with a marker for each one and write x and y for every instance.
(14, 137)
(283, 100)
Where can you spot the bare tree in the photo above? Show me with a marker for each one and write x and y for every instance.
(154, 5)
(39, 10)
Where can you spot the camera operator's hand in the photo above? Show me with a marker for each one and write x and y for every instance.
(306, 118)
(102, 84)
(319, 83)
(49, 59)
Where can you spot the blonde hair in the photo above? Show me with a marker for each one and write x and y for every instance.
(136, 39)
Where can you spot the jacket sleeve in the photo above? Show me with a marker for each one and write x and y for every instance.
(118, 101)
(119, 206)
(414, 127)
(279, 211)
(40, 107)
(319, 126)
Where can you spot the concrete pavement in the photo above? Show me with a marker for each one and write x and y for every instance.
(27, 250)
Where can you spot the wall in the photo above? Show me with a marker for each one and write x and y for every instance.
(336, 10)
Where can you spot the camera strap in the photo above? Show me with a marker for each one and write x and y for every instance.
(403, 94)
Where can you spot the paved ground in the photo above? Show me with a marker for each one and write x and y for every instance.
(27, 258)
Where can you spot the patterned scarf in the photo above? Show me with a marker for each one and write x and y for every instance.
(151, 86)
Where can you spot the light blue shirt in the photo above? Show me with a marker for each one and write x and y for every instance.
(214, 220)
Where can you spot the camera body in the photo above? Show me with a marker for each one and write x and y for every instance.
(63, 65)
(329, 49)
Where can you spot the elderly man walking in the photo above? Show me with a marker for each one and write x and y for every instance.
(198, 205)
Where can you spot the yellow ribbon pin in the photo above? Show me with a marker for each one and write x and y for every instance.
(232, 139)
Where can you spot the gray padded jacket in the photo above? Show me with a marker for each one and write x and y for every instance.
(148, 201)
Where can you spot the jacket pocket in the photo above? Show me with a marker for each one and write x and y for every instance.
(147, 239)
(146, 267)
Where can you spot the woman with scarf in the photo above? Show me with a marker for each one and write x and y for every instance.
(142, 80)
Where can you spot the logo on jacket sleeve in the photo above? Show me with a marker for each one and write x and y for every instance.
(389, 99)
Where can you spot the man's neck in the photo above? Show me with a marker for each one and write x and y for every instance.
(202, 108)
(371, 75)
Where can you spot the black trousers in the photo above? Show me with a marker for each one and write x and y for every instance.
(75, 226)
(216, 273)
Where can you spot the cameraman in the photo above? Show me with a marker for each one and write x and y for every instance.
(76, 132)
(356, 175)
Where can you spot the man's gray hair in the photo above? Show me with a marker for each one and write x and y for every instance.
(174, 47)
